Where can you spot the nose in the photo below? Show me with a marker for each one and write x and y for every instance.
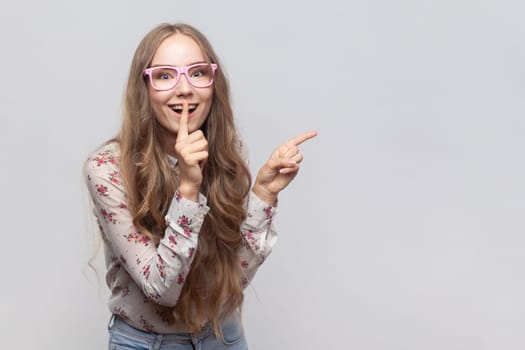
(183, 86)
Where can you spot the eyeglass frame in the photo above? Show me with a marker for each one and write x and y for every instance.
(180, 72)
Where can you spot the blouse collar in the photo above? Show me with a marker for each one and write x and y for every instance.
(172, 161)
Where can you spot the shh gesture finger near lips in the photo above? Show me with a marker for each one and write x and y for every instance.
(192, 152)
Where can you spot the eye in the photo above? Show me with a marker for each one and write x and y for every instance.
(198, 73)
(164, 74)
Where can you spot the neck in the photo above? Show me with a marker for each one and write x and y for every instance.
(168, 143)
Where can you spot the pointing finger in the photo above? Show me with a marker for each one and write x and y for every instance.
(296, 141)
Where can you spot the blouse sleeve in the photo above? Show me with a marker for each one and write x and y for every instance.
(158, 269)
(259, 236)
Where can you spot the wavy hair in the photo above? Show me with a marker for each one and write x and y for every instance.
(213, 288)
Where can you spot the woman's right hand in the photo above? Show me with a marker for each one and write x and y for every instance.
(191, 150)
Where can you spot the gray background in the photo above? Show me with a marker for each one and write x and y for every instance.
(404, 229)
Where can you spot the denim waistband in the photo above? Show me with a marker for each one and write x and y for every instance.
(117, 323)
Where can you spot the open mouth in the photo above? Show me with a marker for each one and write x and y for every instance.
(178, 108)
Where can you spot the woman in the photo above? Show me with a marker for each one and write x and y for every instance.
(184, 234)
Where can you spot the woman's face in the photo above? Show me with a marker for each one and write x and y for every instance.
(179, 50)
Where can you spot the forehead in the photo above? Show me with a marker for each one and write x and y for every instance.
(178, 50)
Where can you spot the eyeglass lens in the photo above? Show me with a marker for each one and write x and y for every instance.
(200, 75)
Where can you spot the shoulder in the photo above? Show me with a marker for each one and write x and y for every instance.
(103, 160)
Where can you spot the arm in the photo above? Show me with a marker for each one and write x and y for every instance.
(259, 236)
(257, 230)
(159, 270)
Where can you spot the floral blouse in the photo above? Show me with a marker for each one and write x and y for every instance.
(142, 275)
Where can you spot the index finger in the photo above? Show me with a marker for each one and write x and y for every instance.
(183, 122)
(296, 141)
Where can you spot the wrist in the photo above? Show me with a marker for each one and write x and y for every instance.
(189, 192)
(265, 195)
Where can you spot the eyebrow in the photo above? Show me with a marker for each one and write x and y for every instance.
(170, 65)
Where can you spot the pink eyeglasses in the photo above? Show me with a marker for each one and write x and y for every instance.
(163, 78)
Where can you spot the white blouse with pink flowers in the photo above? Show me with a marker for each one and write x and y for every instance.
(142, 275)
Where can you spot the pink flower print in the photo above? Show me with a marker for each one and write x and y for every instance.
(131, 237)
(114, 177)
(154, 296)
(191, 251)
(180, 279)
(121, 313)
(268, 211)
(162, 272)
(103, 158)
(145, 272)
(123, 206)
(184, 223)
(125, 292)
(252, 241)
(138, 261)
(244, 264)
(161, 260)
(108, 217)
(172, 240)
(102, 190)
(178, 196)
(138, 238)
(146, 325)
(162, 267)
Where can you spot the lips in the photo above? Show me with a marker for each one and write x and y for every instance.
(177, 108)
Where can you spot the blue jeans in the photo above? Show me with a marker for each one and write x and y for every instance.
(122, 336)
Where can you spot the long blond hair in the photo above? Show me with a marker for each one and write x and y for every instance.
(213, 287)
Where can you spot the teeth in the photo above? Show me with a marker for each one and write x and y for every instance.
(178, 108)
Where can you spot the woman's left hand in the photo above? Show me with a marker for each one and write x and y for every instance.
(280, 169)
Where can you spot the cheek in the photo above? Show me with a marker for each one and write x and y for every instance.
(157, 98)
(208, 99)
